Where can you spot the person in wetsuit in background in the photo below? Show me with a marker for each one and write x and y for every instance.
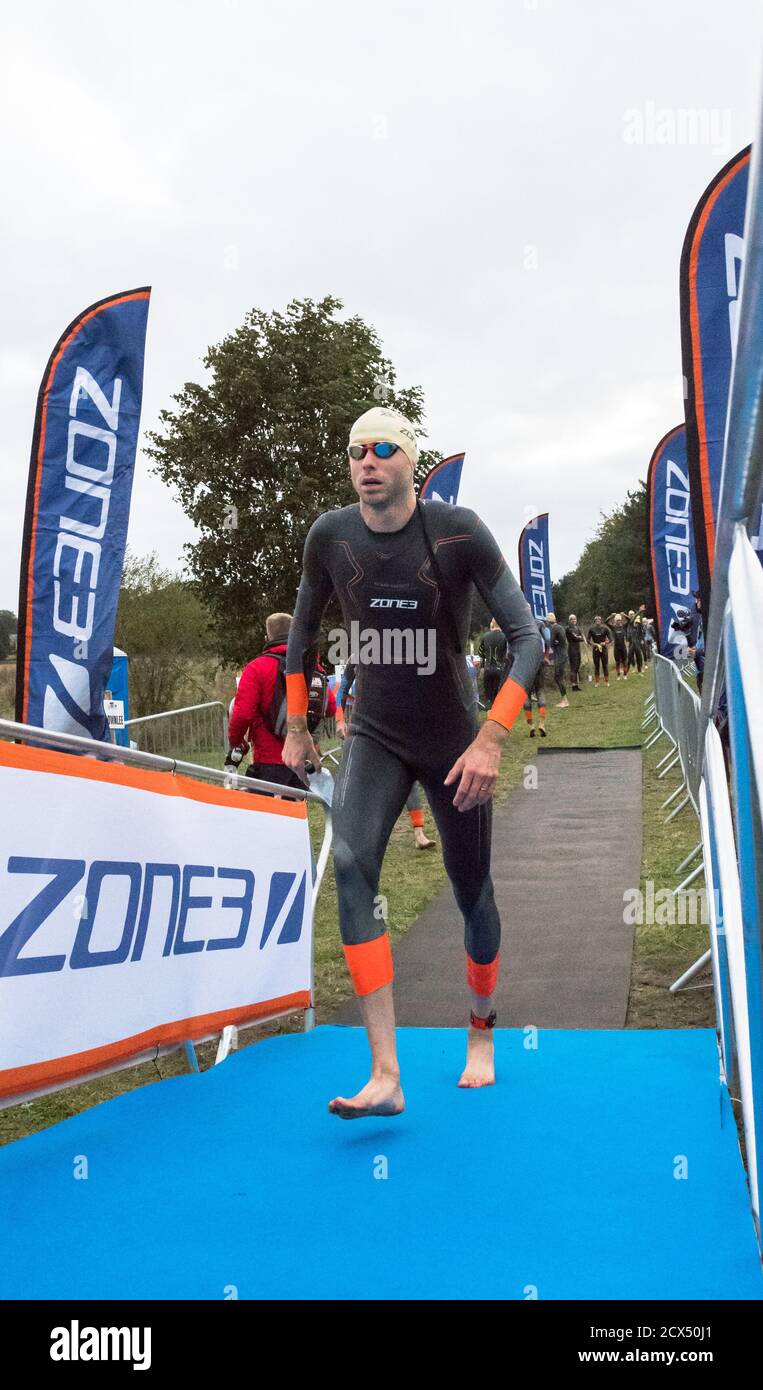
(575, 644)
(493, 650)
(647, 636)
(559, 654)
(388, 558)
(536, 692)
(599, 638)
(633, 632)
(413, 805)
(642, 621)
(619, 629)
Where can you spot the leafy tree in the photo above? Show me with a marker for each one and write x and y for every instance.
(261, 450)
(612, 574)
(163, 627)
(8, 627)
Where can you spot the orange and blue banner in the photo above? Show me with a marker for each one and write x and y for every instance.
(711, 272)
(443, 481)
(78, 505)
(673, 561)
(535, 566)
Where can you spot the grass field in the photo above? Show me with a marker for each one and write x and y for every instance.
(598, 717)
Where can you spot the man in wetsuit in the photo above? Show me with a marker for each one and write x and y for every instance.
(619, 629)
(575, 644)
(536, 691)
(493, 651)
(559, 654)
(599, 638)
(394, 563)
(633, 632)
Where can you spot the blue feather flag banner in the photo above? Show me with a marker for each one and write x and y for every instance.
(78, 506)
(673, 560)
(443, 481)
(535, 566)
(711, 273)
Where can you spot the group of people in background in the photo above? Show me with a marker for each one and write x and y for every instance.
(630, 635)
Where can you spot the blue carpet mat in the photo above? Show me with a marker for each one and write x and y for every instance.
(559, 1180)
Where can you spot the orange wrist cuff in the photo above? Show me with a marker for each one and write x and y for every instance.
(507, 703)
(296, 694)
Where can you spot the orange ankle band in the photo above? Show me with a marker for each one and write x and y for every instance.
(370, 964)
(417, 817)
(482, 978)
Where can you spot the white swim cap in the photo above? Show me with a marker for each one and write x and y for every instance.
(382, 424)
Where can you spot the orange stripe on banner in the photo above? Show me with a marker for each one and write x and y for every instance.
(296, 693)
(482, 978)
(59, 1069)
(97, 309)
(507, 703)
(370, 964)
(162, 783)
(696, 352)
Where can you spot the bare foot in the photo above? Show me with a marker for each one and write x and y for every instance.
(480, 1058)
(422, 842)
(382, 1095)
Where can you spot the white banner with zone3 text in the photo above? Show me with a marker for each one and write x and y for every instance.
(139, 908)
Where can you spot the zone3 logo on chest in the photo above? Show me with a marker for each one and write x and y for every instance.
(394, 603)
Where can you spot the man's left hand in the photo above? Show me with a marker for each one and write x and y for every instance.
(478, 767)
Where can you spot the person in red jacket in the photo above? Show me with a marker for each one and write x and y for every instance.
(253, 704)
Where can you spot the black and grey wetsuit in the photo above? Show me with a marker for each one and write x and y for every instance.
(348, 677)
(620, 640)
(559, 652)
(600, 636)
(415, 709)
(634, 634)
(575, 640)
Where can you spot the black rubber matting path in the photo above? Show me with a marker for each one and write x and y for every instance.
(563, 855)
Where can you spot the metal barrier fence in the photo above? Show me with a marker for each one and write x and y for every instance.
(676, 708)
(109, 752)
(196, 733)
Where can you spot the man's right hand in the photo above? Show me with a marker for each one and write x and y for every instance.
(298, 750)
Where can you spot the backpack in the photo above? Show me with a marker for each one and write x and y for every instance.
(317, 699)
(274, 716)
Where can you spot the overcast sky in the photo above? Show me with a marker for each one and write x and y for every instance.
(480, 181)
